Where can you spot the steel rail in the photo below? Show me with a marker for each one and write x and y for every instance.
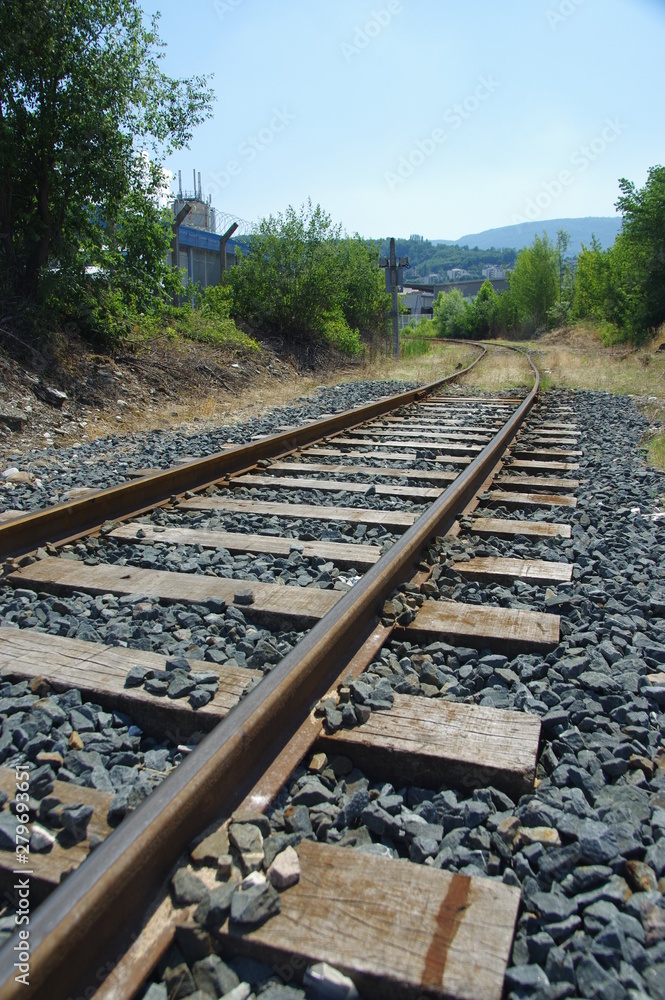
(71, 520)
(88, 916)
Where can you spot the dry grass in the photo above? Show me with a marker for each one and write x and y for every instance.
(501, 368)
(212, 410)
(576, 358)
(441, 360)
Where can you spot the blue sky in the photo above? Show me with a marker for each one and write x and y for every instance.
(421, 116)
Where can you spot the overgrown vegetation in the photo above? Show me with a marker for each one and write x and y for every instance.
(621, 289)
(305, 281)
(624, 287)
(82, 99)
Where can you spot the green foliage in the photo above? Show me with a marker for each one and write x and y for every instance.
(414, 347)
(338, 332)
(640, 249)
(592, 281)
(217, 301)
(483, 317)
(534, 283)
(81, 95)
(195, 320)
(451, 314)
(624, 287)
(299, 271)
(423, 328)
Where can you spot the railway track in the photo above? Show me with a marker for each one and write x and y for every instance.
(363, 569)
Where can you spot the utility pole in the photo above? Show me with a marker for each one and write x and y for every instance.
(394, 269)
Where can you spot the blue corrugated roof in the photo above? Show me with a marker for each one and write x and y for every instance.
(190, 236)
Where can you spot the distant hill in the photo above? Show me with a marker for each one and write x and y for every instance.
(604, 228)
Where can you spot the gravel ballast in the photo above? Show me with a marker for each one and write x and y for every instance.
(106, 462)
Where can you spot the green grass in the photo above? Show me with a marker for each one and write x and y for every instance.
(656, 453)
(203, 326)
(413, 347)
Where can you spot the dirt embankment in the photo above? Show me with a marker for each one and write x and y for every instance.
(163, 384)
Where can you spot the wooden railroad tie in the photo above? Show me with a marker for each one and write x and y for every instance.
(393, 520)
(341, 553)
(356, 911)
(47, 869)
(496, 569)
(506, 528)
(99, 673)
(430, 741)
(485, 626)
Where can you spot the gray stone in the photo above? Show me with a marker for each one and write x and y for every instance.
(654, 980)
(193, 941)
(296, 820)
(156, 991)
(180, 686)
(241, 992)
(187, 888)
(42, 781)
(124, 801)
(595, 983)
(655, 857)
(278, 992)
(597, 842)
(213, 910)
(256, 904)
(214, 977)
(353, 809)
(137, 675)
(75, 819)
(313, 793)
(157, 686)
(552, 906)
(179, 982)
(8, 824)
(526, 977)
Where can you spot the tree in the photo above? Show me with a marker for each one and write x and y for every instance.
(81, 95)
(639, 252)
(484, 315)
(364, 300)
(286, 280)
(592, 281)
(534, 283)
(451, 314)
(304, 281)
(562, 244)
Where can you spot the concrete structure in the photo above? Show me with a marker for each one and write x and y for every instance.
(198, 255)
(417, 302)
